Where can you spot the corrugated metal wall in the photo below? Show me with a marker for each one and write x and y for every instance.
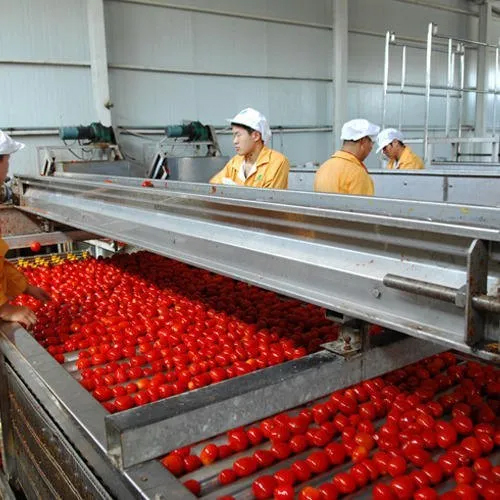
(192, 59)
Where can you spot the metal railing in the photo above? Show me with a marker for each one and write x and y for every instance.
(455, 89)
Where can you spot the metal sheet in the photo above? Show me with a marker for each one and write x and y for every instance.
(460, 184)
(14, 222)
(52, 238)
(330, 250)
(144, 433)
(196, 169)
(119, 167)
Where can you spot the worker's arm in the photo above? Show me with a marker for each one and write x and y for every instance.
(223, 174)
(279, 179)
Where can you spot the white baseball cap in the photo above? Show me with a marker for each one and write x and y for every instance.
(355, 130)
(9, 145)
(387, 136)
(255, 120)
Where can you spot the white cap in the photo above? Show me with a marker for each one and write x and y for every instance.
(255, 120)
(355, 130)
(9, 145)
(387, 136)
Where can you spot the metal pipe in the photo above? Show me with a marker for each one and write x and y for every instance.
(495, 99)
(428, 60)
(214, 12)
(438, 6)
(465, 41)
(443, 50)
(448, 294)
(402, 88)
(37, 62)
(388, 37)
(423, 288)
(461, 100)
(421, 94)
(449, 84)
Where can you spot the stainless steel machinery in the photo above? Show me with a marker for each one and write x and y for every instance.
(427, 270)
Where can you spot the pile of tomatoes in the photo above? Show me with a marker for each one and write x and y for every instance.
(426, 431)
(144, 327)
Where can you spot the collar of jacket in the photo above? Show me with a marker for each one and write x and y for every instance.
(345, 155)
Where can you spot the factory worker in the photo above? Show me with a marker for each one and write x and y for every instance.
(13, 282)
(255, 165)
(345, 172)
(390, 142)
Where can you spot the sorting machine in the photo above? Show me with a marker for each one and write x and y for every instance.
(427, 271)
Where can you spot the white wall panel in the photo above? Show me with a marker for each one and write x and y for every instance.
(44, 96)
(297, 10)
(46, 30)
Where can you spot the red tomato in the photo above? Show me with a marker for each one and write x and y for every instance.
(448, 463)
(434, 472)
(472, 447)
(263, 487)
(466, 491)
(245, 466)
(416, 455)
(309, 493)
(318, 462)
(403, 487)
(383, 492)
(360, 474)
(174, 463)
(281, 450)
(284, 492)
(237, 439)
(328, 492)
(209, 454)
(396, 466)
(336, 453)
(420, 478)
(227, 476)
(298, 424)
(462, 424)
(35, 246)
(299, 443)
(344, 482)
(147, 183)
(193, 486)
(124, 403)
(446, 435)
(264, 458)
(191, 463)
(426, 494)
(301, 470)
(255, 435)
(464, 475)
(285, 476)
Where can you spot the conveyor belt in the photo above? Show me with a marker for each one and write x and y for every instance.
(331, 250)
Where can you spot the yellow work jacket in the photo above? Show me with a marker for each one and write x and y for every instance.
(270, 171)
(343, 173)
(12, 282)
(408, 161)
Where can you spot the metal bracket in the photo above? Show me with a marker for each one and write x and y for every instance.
(472, 297)
(477, 284)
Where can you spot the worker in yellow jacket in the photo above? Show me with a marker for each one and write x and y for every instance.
(13, 282)
(254, 165)
(345, 172)
(401, 157)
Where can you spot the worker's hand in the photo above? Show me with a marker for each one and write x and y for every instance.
(38, 293)
(21, 314)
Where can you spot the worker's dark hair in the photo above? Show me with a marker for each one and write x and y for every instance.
(1, 157)
(248, 129)
(400, 143)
